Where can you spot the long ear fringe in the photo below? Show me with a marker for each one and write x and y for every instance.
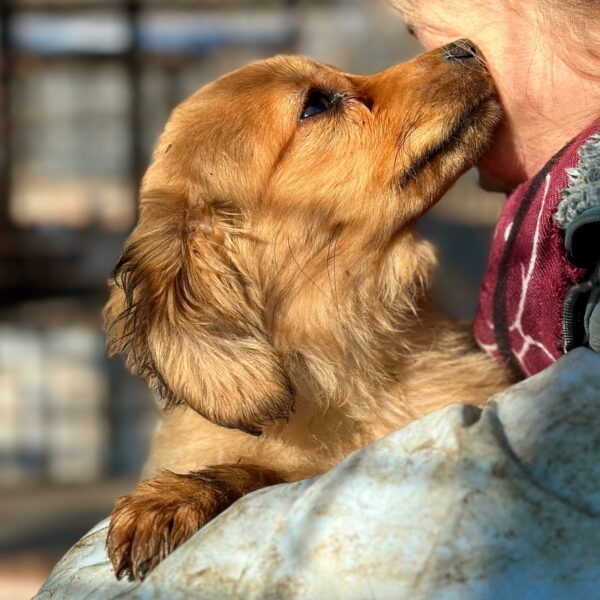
(179, 314)
(127, 330)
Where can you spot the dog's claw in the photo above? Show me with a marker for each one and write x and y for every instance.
(156, 518)
(163, 513)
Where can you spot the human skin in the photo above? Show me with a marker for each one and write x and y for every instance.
(544, 76)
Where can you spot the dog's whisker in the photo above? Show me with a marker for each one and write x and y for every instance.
(337, 239)
(331, 272)
(301, 269)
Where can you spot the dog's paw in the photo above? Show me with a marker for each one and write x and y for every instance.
(157, 517)
(162, 513)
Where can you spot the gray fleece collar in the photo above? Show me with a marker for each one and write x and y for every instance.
(583, 190)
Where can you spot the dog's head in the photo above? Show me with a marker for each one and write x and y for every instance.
(276, 229)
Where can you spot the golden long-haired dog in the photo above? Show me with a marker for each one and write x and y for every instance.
(274, 290)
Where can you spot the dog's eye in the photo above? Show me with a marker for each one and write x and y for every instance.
(318, 102)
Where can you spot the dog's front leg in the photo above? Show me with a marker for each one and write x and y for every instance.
(163, 512)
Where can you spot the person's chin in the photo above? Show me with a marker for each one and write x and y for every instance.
(500, 169)
(490, 183)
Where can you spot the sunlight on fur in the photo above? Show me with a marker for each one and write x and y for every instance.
(275, 292)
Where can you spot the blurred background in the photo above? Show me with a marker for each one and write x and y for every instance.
(85, 88)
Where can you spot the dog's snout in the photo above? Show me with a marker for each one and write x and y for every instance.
(461, 50)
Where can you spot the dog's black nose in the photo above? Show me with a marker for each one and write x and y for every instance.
(461, 50)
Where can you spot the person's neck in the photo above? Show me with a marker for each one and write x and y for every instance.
(562, 100)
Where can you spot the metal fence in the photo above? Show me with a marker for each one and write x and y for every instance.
(79, 81)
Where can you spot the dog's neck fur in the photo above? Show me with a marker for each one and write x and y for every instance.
(382, 356)
(379, 397)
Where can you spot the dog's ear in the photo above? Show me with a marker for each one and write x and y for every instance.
(181, 313)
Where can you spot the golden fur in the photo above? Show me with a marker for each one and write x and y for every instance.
(274, 290)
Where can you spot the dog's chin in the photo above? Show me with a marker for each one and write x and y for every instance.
(474, 135)
(461, 146)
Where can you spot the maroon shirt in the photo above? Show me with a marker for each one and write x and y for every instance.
(519, 319)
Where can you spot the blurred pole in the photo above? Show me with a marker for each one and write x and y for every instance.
(293, 7)
(135, 96)
(5, 113)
